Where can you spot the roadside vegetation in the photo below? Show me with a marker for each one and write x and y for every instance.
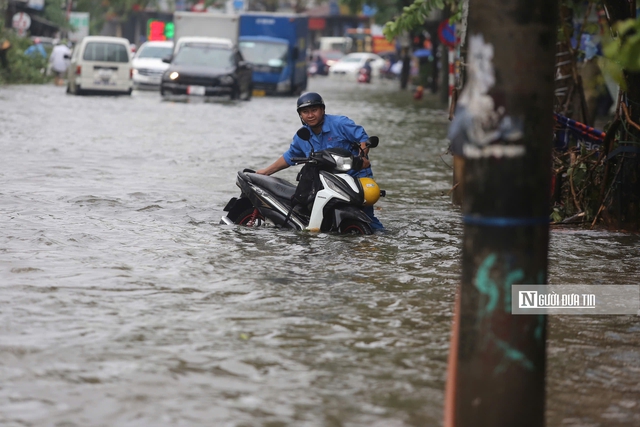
(21, 68)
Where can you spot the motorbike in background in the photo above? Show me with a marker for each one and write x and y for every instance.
(326, 198)
(364, 75)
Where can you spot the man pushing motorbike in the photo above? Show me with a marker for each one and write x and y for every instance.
(327, 131)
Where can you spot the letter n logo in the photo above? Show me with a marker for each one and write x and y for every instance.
(527, 299)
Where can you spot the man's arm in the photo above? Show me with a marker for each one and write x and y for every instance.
(276, 166)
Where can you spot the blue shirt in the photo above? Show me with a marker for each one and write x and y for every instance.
(337, 132)
(36, 48)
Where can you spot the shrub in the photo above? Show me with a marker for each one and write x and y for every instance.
(22, 69)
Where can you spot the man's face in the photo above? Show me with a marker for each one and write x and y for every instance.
(312, 115)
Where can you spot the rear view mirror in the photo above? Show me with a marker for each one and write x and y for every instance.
(304, 133)
(167, 59)
(373, 141)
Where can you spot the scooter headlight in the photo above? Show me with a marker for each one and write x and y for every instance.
(343, 164)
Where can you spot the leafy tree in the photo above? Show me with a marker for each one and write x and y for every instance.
(414, 15)
(55, 11)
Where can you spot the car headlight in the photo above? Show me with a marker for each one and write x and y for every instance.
(135, 71)
(226, 80)
(174, 75)
(342, 163)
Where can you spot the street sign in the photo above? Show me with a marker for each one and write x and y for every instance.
(21, 22)
(447, 34)
(79, 21)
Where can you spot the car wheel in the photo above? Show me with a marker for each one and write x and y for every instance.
(249, 93)
(78, 91)
(235, 93)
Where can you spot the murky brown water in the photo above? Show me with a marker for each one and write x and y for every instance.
(123, 302)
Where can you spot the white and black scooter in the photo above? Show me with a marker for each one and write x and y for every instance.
(325, 199)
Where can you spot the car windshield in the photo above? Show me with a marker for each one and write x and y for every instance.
(105, 52)
(264, 53)
(204, 55)
(155, 52)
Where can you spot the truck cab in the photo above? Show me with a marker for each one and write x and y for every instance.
(275, 43)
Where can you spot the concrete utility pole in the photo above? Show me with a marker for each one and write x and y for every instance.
(497, 360)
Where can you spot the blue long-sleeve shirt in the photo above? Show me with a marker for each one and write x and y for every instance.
(337, 132)
(36, 48)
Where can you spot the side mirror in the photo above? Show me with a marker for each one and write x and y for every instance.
(304, 133)
(373, 141)
(167, 59)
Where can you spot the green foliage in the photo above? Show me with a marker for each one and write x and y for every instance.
(622, 52)
(414, 16)
(55, 11)
(22, 68)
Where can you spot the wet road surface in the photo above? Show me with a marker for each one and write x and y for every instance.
(125, 303)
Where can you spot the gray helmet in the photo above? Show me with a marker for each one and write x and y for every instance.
(309, 99)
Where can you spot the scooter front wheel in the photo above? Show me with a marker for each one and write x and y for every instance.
(250, 218)
(352, 226)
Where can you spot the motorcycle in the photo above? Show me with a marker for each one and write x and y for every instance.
(364, 75)
(326, 198)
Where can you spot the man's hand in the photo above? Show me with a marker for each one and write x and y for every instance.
(278, 165)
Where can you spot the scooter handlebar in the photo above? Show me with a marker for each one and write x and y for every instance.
(299, 159)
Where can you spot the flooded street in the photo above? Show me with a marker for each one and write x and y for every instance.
(124, 302)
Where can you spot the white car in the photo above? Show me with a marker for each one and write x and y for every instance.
(350, 65)
(148, 66)
(100, 64)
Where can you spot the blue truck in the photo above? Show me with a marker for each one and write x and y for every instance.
(276, 45)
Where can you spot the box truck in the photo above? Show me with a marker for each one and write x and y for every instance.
(205, 24)
(276, 45)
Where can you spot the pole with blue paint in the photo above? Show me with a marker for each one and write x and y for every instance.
(503, 127)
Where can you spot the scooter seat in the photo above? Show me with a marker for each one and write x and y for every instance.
(278, 186)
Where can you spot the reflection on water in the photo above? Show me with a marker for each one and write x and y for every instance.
(126, 303)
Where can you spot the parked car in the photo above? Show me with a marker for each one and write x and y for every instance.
(100, 64)
(148, 66)
(351, 64)
(208, 69)
(322, 60)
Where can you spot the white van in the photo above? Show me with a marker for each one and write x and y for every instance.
(101, 64)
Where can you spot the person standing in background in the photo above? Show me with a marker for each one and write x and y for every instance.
(59, 60)
(36, 47)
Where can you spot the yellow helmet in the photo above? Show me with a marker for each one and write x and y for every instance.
(371, 191)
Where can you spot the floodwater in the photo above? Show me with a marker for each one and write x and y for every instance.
(123, 302)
